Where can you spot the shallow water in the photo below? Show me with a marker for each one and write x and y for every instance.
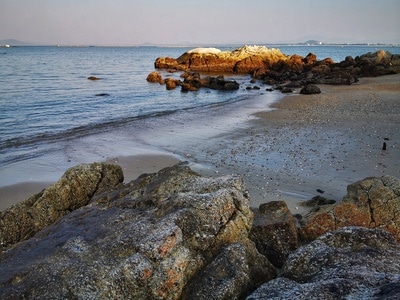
(46, 95)
(49, 109)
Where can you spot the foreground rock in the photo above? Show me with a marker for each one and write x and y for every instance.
(177, 235)
(273, 67)
(236, 268)
(148, 239)
(372, 202)
(274, 232)
(351, 263)
(75, 189)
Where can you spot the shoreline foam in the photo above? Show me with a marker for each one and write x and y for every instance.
(166, 138)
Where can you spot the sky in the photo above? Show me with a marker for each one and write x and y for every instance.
(133, 22)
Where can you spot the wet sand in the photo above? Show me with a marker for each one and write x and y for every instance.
(307, 143)
(323, 142)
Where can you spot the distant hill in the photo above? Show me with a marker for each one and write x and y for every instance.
(13, 42)
(312, 42)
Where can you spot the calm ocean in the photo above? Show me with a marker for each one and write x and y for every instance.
(45, 94)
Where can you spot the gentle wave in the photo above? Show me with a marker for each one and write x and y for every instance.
(46, 97)
(26, 144)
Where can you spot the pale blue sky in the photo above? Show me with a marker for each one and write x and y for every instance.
(130, 22)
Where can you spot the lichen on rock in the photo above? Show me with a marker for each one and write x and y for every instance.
(371, 203)
(350, 263)
(175, 234)
(145, 239)
(73, 190)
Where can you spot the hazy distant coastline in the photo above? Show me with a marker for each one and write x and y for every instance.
(17, 43)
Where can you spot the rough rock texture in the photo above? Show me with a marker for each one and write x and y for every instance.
(171, 84)
(237, 266)
(372, 202)
(317, 201)
(311, 71)
(193, 82)
(274, 232)
(310, 89)
(74, 189)
(177, 235)
(242, 60)
(154, 77)
(145, 240)
(350, 263)
(273, 67)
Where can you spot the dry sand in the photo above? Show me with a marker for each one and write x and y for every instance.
(323, 141)
(308, 142)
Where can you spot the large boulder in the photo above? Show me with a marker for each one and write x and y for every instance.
(372, 202)
(350, 263)
(171, 83)
(74, 189)
(310, 89)
(193, 82)
(241, 60)
(249, 64)
(166, 63)
(377, 63)
(220, 83)
(274, 232)
(274, 67)
(144, 240)
(154, 77)
(235, 272)
(310, 59)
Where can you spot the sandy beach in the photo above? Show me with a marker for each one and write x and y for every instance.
(323, 142)
(310, 142)
(306, 143)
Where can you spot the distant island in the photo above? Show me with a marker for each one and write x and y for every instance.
(18, 43)
(312, 42)
(13, 42)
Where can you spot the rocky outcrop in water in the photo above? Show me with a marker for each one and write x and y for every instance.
(154, 77)
(273, 67)
(242, 60)
(193, 82)
(350, 263)
(372, 203)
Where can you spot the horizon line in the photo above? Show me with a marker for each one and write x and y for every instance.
(193, 44)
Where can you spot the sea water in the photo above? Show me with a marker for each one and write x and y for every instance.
(45, 95)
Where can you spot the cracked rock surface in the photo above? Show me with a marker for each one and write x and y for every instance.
(144, 240)
(350, 263)
(371, 203)
(73, 190)
(177, 235)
